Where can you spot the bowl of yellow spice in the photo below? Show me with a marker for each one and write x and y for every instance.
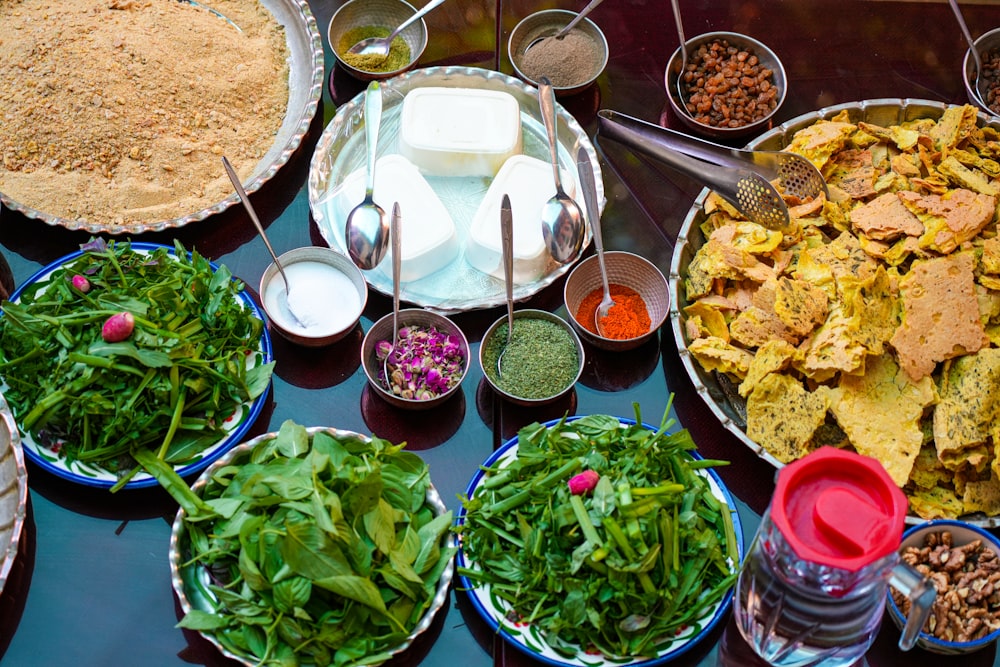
(362, 19)
(640, 292)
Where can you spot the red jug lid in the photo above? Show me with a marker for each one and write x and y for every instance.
(839, 509)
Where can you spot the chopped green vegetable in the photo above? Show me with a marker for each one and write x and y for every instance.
(621, 567)
(168, 385)
(322, 550)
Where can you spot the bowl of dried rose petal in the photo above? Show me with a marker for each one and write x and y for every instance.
(427, 360)
(963, 562)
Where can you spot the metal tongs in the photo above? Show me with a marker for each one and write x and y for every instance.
(744, 178)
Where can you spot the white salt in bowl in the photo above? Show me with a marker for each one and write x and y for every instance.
(546, 23)
(329, 290)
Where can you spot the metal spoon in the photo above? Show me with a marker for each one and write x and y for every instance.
(684, 56)
(260, 230)
(980, 92)
(589, 188)
(379, 46)
(396, 268)
(562, 219)
(367, 228)
(569, 26)
(507, 246)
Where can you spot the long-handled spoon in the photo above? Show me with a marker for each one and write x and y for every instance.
(978, 82)
(367, 228)
(684, 56)
(507, 248)
(260, 230)
(589, 187)
(394, 233)
(379, 46)
(562, 220)
(569, 26)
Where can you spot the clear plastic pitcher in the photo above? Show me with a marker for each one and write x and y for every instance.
(813, 587)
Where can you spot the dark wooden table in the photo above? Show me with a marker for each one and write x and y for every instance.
(91, 585)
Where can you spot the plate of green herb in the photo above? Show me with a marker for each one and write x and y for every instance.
(122, 347)
(597, 541)
(311, 546)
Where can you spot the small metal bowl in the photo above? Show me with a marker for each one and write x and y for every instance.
(629, 270)
(961, 533)
(529, 313)
(549, 22)
(382, 330)
(986, 42)
(271, 282)
(378, 13)
(767, 58)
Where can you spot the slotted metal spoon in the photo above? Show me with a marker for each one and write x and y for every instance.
(741, 177)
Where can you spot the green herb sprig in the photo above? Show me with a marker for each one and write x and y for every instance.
(622, 568)
(323, 549)
(168, 387)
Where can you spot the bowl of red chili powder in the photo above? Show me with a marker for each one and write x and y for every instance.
(639, 289)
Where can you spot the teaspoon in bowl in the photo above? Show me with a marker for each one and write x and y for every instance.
(507, 249)
(569, 26)
(684, 56)
(367, 228)
(562, 219)
(982, 94)
(589, 187)
(394, 233)
(260, 230)
(379, 46)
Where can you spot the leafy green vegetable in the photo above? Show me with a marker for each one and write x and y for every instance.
(325, 553)
(168, 387)
(621, 568)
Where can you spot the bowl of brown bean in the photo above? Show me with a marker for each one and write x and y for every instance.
(963, 561)
(572, 62)
(988, 46)
(639, 289)
(733, 85)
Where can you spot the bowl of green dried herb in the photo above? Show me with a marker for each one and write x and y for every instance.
(360, 19)
(286, 549)
(541, 363)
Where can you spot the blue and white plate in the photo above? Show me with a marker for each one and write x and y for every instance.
(528, 638)
(236, 426)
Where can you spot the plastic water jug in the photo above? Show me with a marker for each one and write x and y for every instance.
(813, 587)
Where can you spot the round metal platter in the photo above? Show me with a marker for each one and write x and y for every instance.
(93, 475)
(191, 581)
(305, 89)
(13, 491)
(723, 401)
(341, 151)
(528, 638)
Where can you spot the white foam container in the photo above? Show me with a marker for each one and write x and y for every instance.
(528, 182)
(428, 238)
(442, 130)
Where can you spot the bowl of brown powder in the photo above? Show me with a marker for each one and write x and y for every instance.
(572, 62)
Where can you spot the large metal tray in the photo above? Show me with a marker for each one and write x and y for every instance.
(884, 112)
(305, 89)
(341, 151)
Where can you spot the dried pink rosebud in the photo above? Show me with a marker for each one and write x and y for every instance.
(81, 283)
(583, 482)
(118, 327)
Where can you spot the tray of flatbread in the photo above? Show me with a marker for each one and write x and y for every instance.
(873, 322)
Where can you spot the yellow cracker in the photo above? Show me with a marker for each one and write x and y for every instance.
(782, 416)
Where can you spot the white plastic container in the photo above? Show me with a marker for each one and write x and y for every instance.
(529, 184)
(429, 240)
(459, 131)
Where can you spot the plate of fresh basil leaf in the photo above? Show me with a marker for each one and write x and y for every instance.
(311, 546)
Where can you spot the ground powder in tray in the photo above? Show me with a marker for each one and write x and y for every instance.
(567, 61)
(117, 111)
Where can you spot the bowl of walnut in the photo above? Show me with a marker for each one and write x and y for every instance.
(963, 562)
